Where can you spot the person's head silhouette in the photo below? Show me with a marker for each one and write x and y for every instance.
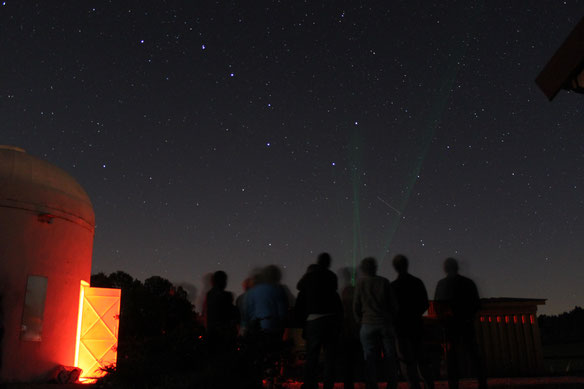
(451, 266)
(324, 260)
(272, 274)
(400, 264)
(219, 280)
(369, 266)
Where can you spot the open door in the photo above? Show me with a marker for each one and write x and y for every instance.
(97, 332)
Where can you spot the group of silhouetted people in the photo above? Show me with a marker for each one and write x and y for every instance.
(378, 320)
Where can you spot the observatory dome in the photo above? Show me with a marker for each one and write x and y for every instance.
(29, 183)
(47, 223)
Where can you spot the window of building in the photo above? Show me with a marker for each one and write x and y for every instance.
(34, 308)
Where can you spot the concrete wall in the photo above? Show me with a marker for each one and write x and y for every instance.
(61, 251)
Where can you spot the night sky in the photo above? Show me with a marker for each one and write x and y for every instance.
(230, 135)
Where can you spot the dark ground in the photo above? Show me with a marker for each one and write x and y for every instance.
(571, 382)
(567, 382)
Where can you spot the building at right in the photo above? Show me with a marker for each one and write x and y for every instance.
(508, 335)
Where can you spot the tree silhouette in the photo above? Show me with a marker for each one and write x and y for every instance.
(563, 328)
(162, 344)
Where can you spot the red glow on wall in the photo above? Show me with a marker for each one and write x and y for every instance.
(498, 319)
(523, 319)
(515, 319)
(84, 285)
(482, 319)
(531, 319)
(507, 319)
(97, 332)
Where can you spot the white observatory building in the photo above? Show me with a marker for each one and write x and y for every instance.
(46, 239)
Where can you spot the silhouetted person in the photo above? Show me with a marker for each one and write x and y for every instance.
(221, 316)
(300, 310)
(412, 301)
(457, 303)
(350, 347)
(375, 308)
(323, 311)
(266, 307)
(266, 304)
(247, 284)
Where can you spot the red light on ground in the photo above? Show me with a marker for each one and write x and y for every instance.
(532, 319)
(523, 319)
(482, 319)
(490, 319)
(507, 319)
(498, 319)
(515, 319)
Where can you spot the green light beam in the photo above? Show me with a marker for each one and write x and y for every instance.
(441, 98)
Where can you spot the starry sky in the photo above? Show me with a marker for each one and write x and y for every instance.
(230, 135)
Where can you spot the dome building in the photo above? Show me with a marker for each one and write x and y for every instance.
(47, 227)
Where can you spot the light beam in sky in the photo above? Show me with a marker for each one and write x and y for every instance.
(441, 97)
(389, 205)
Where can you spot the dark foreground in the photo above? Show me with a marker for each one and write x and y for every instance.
(568, 382)
(499, 383)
